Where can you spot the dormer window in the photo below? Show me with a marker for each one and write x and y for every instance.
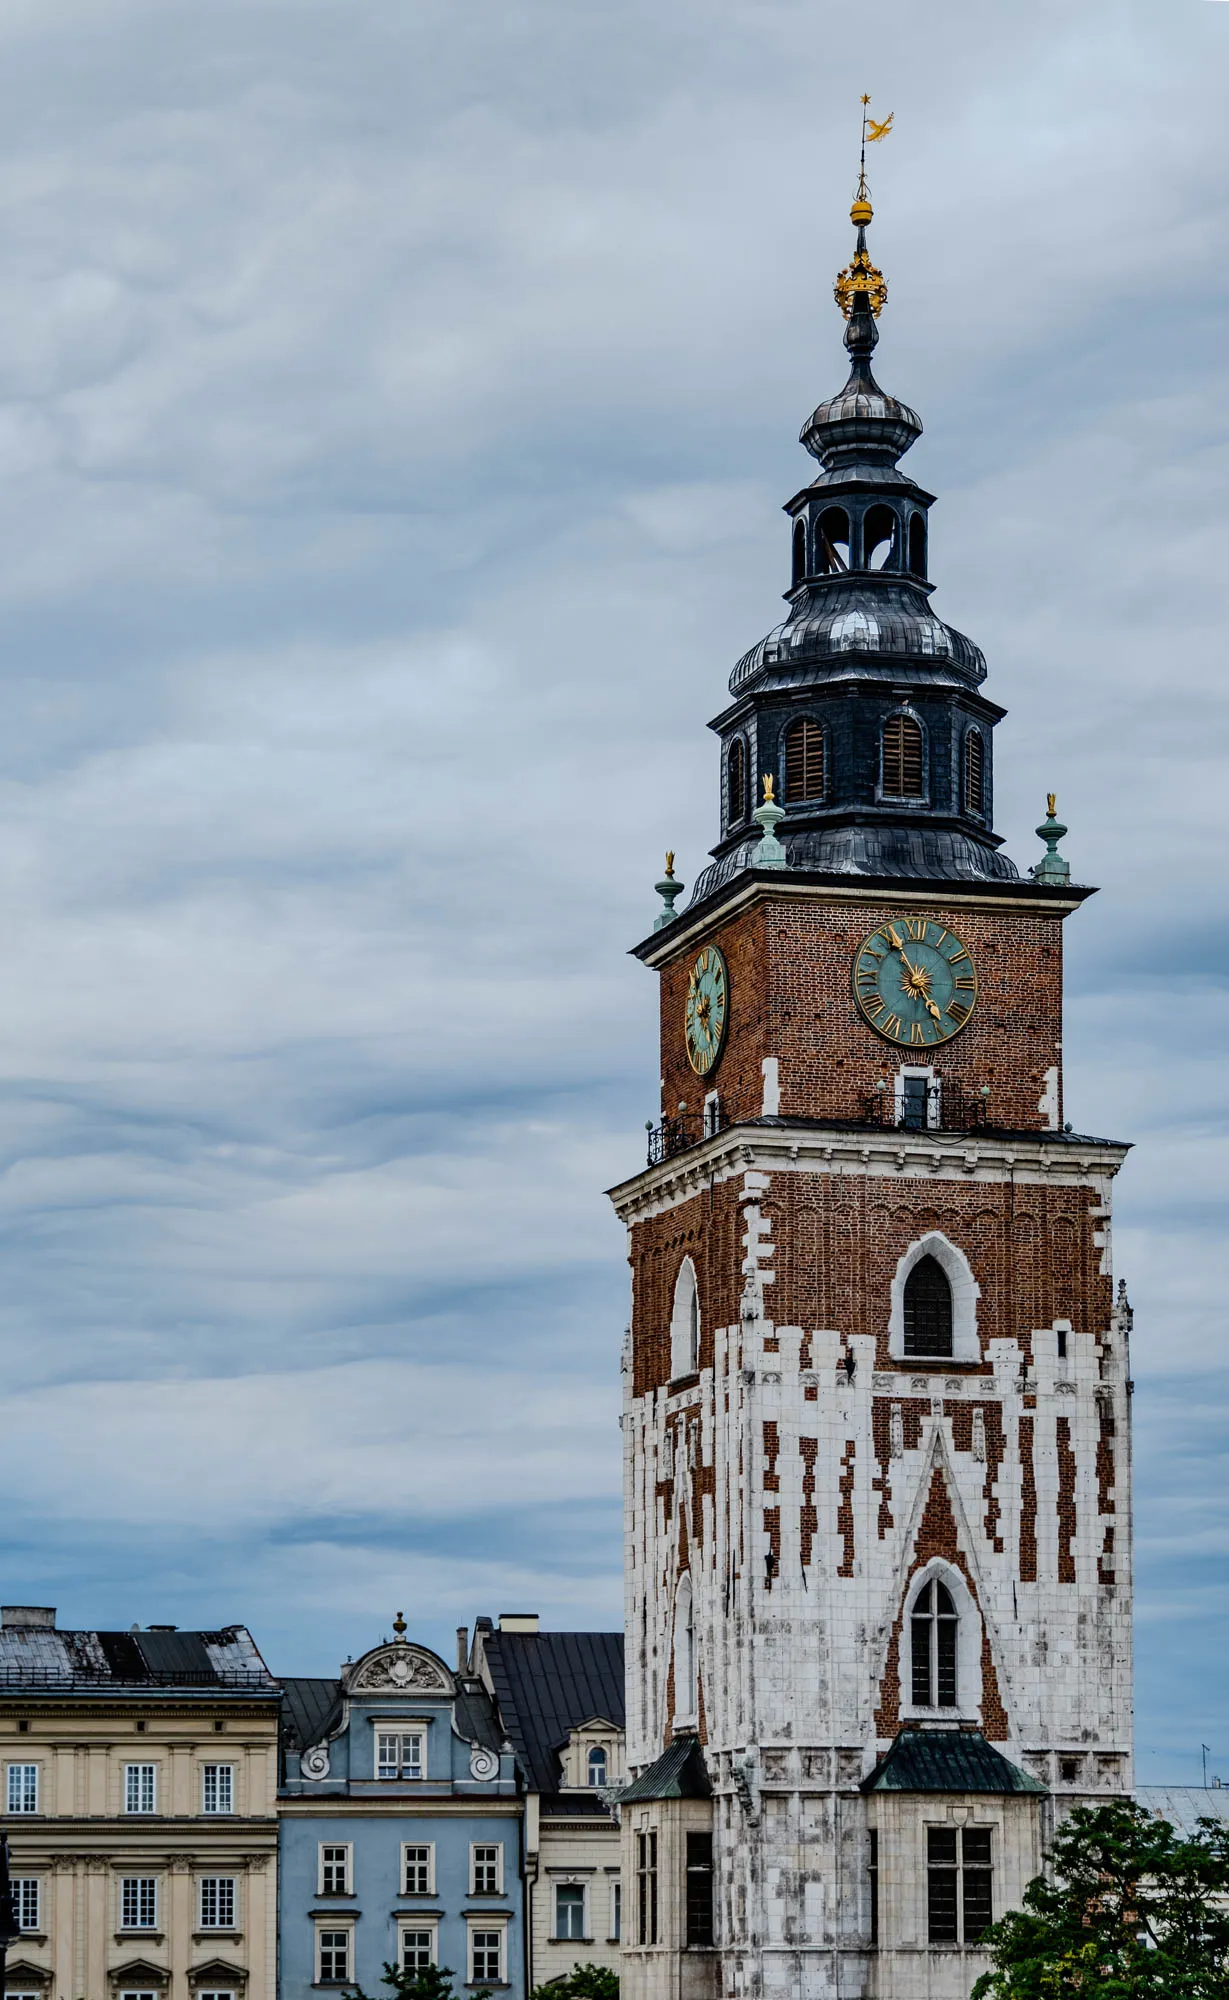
(597, 1765)
(399, 1754)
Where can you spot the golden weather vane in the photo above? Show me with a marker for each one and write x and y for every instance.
(861, 275)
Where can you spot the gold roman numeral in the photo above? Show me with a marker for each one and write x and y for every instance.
(892, 1026)
(958, 1012)
(916, 1037)
(916, 927)
(958, 958)
(966, 981)
(874, 1006)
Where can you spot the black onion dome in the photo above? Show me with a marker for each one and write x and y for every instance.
(872, 617)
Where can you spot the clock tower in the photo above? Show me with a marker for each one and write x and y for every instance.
(876, 1425)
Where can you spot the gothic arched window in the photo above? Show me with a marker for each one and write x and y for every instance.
(928, 1309)
(933, 1628)
(902, 758)
(800, 551)
(736, 781)
(917, 544)
(832, 540)
(686, 1693)
(597, 1765)
(685, 1323)
(804, 760)
(878, 529)
(974, 772)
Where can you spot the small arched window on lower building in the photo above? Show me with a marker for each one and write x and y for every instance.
(974, 772)
(597, 1765)
(804, 761)
(800, 551)
(736, 782)
(928, 1309)
(902, 758)
(685, 1323)
(934, 1629)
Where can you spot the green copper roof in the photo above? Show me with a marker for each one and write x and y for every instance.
(679, 1773)
(946, 1760)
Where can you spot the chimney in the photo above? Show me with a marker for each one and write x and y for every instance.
(27, 1617)
(518, 1621)
(462, 1649)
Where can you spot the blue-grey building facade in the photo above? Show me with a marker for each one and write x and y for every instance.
(400, 1828)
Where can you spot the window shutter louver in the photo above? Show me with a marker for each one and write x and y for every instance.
(804, 761)
(902, 758)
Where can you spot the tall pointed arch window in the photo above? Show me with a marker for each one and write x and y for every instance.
(974, 772)
(686, 1691)
(685, 1323)
(804, 761)
(934, 1629)
(736, 782)
(902, 758)
(928, 1309)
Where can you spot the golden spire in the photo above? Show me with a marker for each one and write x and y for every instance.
(861, 275)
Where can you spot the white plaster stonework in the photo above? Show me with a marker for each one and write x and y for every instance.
(396, 1669)
(791, 1657)
(965, 1343)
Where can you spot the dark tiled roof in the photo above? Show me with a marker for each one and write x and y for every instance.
(679, 1773)
(547, 1684)
(46, 1660)
(946, 1760)
(475, 1719)
(309, 1710)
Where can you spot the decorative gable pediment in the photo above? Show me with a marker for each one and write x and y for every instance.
(399, 1668)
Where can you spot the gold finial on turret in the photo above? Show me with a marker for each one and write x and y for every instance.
(768, 781)
(1051, 803)
(861, 275)
(399, 1626)
(670, 862)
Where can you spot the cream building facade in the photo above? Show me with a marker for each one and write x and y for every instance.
(560, 1699)
(140, 1782)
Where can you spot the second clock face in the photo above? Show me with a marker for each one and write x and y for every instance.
(708, 1002)
(914, 982)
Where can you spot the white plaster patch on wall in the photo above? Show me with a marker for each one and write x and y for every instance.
(1048, 1102)
(772, 1087)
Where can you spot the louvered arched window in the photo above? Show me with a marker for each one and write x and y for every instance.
(736, 781)
(933, 1629)
(974, 772)
(804, 760)
(902, 758)
(928, 1309)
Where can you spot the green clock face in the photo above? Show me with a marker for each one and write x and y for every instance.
(914, 982)
(708, 1004)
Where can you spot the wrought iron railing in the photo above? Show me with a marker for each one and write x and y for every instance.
(908, 1104)
(675, 1135)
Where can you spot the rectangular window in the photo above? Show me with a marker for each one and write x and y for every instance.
(217, 1902)
(872, 1869)
(959, 1884)
(215, 1996)
(128, 1994)
(486, 1870)
(569, 1910)
(140, 1788)
(486, 1951)
(417, 1950)
(218, 1788)
(418, 1870)
(646, 1888)
(23, 1788)
(333, 1957)
(27, 1902)
(616, 1912)
(334, 1875)
(699, 1888)
(399, 1755)
(138, 1903)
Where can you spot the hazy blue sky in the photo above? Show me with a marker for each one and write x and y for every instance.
(396, 402)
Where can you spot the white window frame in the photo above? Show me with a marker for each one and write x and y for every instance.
(214, 1994)
(486, 1847)
(22, 1787)
(417, 1926)
(486, 1926)
(333, 1928)
(934, 1095)
(28, 1902)
(686, 1657)
(968, 1645)
(333, 1847)
(966, 1344)
(225, 1890)
(223, 1777)
(616, 1911)
(128, 1993)
(685, 1323)
(561, 1937)
(139, 1884)
(417, 1847)
(597, 1749)
(407, 1770)
(140, 1789)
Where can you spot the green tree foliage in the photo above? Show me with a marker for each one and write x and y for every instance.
(583, 1982)
(431, 1982)
(1128, 1910)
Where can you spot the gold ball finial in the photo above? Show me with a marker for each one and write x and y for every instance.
(861, 213)
(399, 1626)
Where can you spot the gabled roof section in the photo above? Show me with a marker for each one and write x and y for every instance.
(48, 1660)
(547, 1684)
(946, 1760)
(679, 1773)
(310, 1710)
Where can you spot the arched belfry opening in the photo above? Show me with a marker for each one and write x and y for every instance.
(799, 568)
(928, 1309)
(879, 539)
(917, 544)
(832, 541)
